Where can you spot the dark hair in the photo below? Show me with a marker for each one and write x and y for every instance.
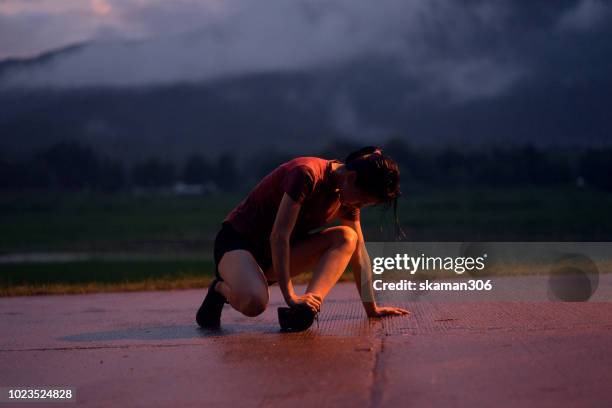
(379, 176)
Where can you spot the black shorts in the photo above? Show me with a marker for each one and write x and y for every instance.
(229, 239)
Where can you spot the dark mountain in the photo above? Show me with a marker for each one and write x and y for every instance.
(39, 60)
(366, 100)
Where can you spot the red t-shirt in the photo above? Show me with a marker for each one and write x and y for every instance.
(307, 180)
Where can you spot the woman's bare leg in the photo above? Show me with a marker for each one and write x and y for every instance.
(333, 263)
(244, 284)
(326, 253)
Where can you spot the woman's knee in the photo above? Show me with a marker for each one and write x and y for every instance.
(253, 303)
(346, 237)
(248, 289)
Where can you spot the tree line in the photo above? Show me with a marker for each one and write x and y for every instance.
(74, 166)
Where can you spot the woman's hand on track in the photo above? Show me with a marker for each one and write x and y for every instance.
(388, 311)
(311, 300)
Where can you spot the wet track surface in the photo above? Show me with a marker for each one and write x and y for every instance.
(144, 349)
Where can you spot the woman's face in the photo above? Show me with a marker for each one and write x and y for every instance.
(353, 196)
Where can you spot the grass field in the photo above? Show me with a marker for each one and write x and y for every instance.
(109, 276)
(182, 229)
(88, 276)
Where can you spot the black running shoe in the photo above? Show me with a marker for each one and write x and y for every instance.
(209, 314)
(296, 319)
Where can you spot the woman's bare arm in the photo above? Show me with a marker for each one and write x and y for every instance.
(284, 223)
(361, 267)
(279, 242)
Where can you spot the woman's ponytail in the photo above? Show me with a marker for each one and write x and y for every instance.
(364, 151)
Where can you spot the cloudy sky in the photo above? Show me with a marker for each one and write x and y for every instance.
(469, 49)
